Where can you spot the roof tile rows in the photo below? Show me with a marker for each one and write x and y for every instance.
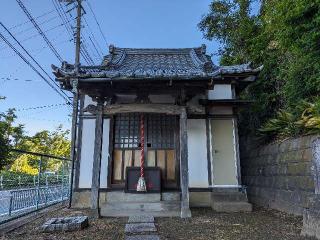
(184, 63)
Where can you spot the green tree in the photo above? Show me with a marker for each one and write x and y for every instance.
(10, 137)
(284, 38)
(53, 143)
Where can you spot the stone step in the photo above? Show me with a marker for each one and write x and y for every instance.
(232, 206)
(114, 197)
(229, 197)
(142, 197)
(147, 206)
(143, 237)
(157, 209)
(128, 213)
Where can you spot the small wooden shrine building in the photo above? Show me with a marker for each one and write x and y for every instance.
(187, 108)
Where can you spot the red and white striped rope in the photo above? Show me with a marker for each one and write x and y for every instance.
(142, 147)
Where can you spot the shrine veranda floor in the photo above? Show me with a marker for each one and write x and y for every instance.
(204, 224)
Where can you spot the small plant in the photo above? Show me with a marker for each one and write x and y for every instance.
(284, 125)
(310, 118)
(288, 125)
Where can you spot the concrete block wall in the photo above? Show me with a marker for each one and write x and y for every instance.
(279, 175)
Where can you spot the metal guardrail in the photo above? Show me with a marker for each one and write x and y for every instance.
(21, 195)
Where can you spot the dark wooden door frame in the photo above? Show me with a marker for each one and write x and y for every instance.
(112, 186)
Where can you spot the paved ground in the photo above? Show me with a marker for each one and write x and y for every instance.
(205, 224)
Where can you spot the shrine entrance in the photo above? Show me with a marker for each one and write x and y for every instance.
(161, 148)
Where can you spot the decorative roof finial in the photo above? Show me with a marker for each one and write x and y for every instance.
(203, 49)
(111, 48)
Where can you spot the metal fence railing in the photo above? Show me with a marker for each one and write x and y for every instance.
(45, 181)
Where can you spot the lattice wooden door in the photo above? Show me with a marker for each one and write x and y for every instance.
(162, 143)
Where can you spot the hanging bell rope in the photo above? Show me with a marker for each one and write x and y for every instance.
(141, 187)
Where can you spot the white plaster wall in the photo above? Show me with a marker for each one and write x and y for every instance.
(88, 100)
(220, 91)
(87, 149)
(197, 153)
(105, 154)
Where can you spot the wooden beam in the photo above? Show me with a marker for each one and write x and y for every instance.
(184, 172)
(139, 108)
(169, 109)
(225, 102)
(97, 158)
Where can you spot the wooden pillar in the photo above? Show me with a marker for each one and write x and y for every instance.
(97, 158)
(237, 149)
(184, 173)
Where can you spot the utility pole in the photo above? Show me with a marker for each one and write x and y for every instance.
(75, 91)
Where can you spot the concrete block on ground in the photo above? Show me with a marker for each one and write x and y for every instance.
(141, 219)
(143, 237)
(140, 228)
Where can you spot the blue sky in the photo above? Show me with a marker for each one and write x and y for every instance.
(125, 23)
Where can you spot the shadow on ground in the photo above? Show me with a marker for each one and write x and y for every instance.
(205, 224)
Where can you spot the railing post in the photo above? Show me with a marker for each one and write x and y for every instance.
(1, 181)
(10, 204)
(19, 181)
(38, 186)
(34, 180)
(62, 193)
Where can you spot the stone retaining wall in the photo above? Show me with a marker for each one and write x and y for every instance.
(279, 175)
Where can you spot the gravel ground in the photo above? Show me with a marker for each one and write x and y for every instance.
(205, 224)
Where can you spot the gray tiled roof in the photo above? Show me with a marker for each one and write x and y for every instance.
(127, 63)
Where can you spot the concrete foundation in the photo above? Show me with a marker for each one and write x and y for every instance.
(220, 199)
(200, 199)
(230, 200)
(311, 218)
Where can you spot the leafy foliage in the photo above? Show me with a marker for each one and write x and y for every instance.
(284, 38)
(13, 136)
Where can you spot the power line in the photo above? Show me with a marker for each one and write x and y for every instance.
(93, 37)
(34, 69)
(32, 58)
(39, 30)
(64, 21)
(97, 22)
(31, 28)
(41, 107)
(24, 23)
(17, 79)
(35, 35)
(99, 56)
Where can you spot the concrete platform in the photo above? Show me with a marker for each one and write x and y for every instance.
(127, 209)
(232, 206)
(132, 197)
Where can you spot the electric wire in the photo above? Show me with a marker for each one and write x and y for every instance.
(40, 107)
(33, 68)
(24, 23)
(33, 59)
(22, 6)
(35, 35)
(97, 22)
